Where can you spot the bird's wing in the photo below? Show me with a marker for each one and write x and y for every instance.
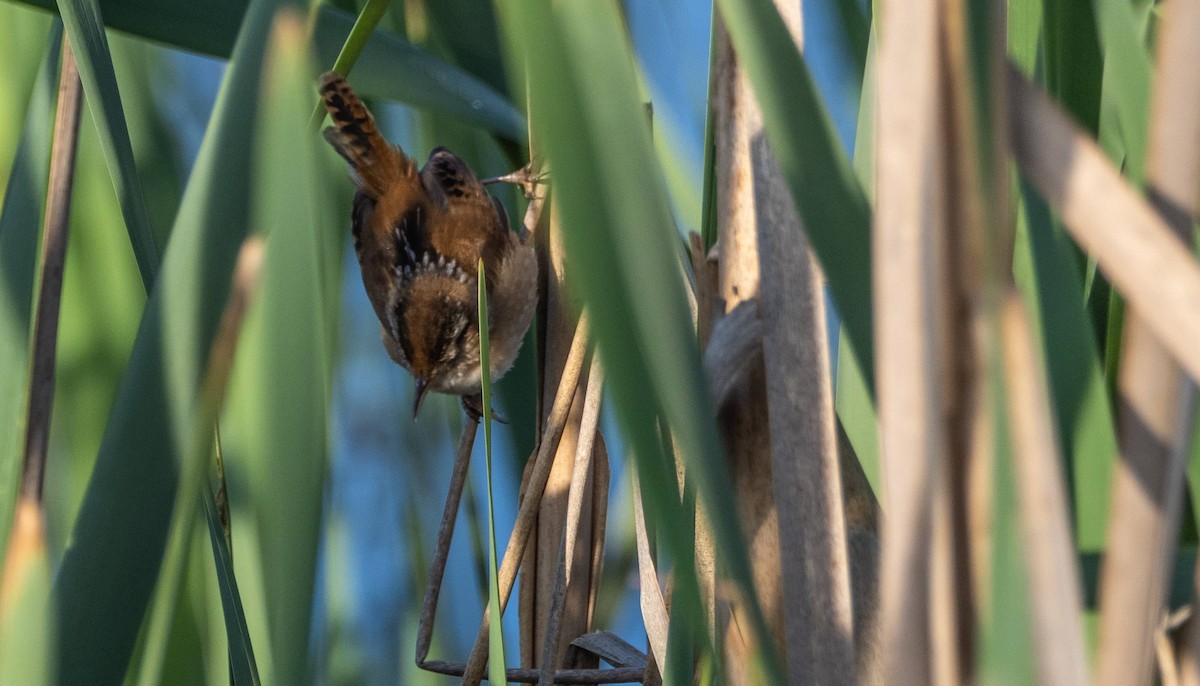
(475, 223)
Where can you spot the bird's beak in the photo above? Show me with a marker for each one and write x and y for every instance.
(422, 389)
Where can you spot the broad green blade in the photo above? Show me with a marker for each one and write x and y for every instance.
(832, 204)
(193, 646)
(24, 32)
(27, 626)
(496, 665)
(1005, 643)
(624, 250)
(856, 409)
(1046, 266)
(85, 30)
(210, 27)
(1025, 33)
(854, 20)
(708, 188)
(854, 397)
(1073, 63)
(467, 32)
(241, 652)
(389, 66)
(285, 360)
(688, 649)
(359, 34)
(392, 68)
(107, 575)
(143, 68)
(356, 40)
(1127, 79)
(1043, 265)
(20, 226)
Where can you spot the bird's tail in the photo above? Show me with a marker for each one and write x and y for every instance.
(374, 163)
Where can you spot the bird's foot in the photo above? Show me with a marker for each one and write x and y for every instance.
(523, 177)
(473, 405)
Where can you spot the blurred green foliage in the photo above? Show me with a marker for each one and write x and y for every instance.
(135, 339)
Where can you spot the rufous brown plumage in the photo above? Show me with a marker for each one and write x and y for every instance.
(419, 236)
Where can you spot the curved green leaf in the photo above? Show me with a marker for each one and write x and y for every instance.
(1044, 268)
(85, 30)
(359, 34)
(285, 357)
(392, 68)
(108, 573)
(389, 67)
(209, 27)
(26, 626)
(496, 668)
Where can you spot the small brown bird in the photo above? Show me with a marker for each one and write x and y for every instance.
(419, 237)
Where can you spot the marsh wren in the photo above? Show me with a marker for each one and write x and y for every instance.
(419, 236)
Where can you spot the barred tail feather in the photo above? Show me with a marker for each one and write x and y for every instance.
(374, 163)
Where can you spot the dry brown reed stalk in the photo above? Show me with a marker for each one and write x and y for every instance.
(1177, 98)
(53, 261)
(1145, 259)
(969, 306)
(727, 359)
(1131, 243)
(767, 362)
(535, 484)
(1156, 397)
(806, 472)
(737, 133)
(579, 492)
(1055, 596)
(710, 311)
(27, 543)
(556, 324)
(755, 214)
(906, 331)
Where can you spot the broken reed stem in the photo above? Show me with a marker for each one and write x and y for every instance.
(54, 252)
(527, 514)
(584, 451)
(437, 570)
